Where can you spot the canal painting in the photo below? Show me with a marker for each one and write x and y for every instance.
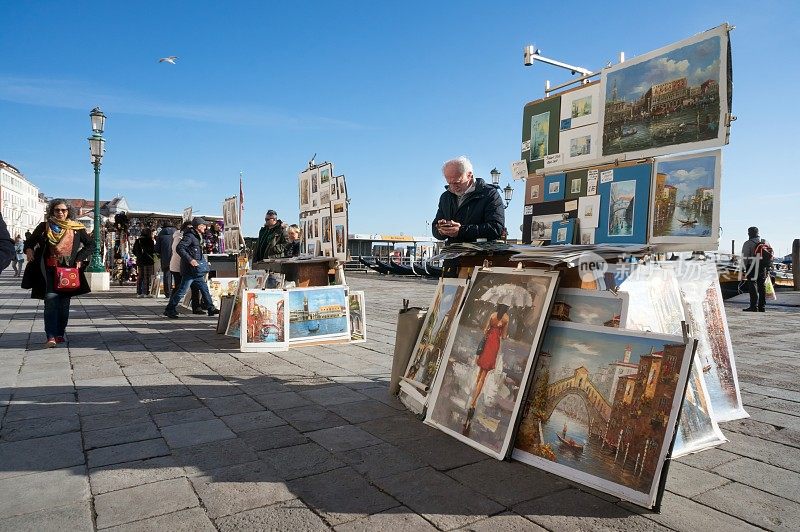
(432, 341)
(356, 306)
(252, 280)
(264, 318)
(590, 307)
(540, 135)
(580, 107)
(685, 205)
(673, 97)
(621, 208)
(479, 389)
(318, 313)
(697, 429)
(603, 406)
(705, 314)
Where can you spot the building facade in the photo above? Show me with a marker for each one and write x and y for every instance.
(20, 201)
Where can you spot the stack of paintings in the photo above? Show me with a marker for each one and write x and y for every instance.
(251, 280)
(357, 307)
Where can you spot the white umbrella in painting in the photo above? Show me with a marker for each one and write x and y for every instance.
(507, 294)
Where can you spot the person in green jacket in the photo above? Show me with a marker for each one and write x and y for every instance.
(271, 238)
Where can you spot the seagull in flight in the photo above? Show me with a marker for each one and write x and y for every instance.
(171, 59)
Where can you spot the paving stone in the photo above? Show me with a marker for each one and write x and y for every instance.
(381, 394)
(196, 433)
(252, 420)
(292, 515)
(170, 404)
(577, 510)
(332, 395)
(201, 459)
(437, 497)
(708, 459)
(75, 517)
(282, 400)
(301, 460)
(41, 491)
(690, 482)
(117, 419)
(379, 461)
(306, 418)
(242, 487)
(142, 502)
(769, 452)
(127, 452)
(680, 513)
(117, 435)
(441, 451)
(398, 428)
(233, 404)
(341, 495)
(508, 483)
(399, 519)
(754, 506)
(40, 454)
(191, 520)
(343, 438)
(130, 474)
(780, 482)
(38, 427)
(260, 385)
(111, 405)
(361, 411)
(504, 522)
(273, 437)
(58, 405)
(183, 416)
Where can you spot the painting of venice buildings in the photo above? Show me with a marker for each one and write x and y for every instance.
(697, 429)
(684, 198)
(540, 131)
(427, 355)
(316, 313)
(621, 208)
(600, 404)
(265, 317)
(669, 99)
(478, 390)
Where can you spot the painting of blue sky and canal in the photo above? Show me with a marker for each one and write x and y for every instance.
(670, 100)
(590, 307)
(602, 407)
(318, 313)
(685, 203)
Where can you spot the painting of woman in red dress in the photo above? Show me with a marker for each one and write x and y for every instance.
(496, 329)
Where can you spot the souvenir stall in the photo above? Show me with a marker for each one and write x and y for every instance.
(580, 352)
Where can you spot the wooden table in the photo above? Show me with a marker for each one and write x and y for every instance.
(304, 272)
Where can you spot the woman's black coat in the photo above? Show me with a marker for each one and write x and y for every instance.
(34, 276)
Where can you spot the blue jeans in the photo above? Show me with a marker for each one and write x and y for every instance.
(186, 282)
(56, 314)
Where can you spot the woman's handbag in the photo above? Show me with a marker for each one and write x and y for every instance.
(67, 279)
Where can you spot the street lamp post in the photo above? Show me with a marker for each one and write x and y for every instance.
(97, 147)
(507, 192)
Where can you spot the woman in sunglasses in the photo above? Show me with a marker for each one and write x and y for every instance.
(55, 246)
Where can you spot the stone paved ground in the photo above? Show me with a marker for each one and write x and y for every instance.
(148, 424)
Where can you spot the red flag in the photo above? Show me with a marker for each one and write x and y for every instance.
(241, 193)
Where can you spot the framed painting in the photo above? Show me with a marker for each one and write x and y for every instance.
(575, 184)
(342, 187)
(554, 187)
(697, 429)
(265, 323)
(485, 371)
(580, 107)
(339, 239)
(326, 229)
(338, 207)
(357, 307)
(254, 279)
(579, 145)
(534, 189)
(563, 232)
(589, 211)
(432, 340)
(603, 407)
(590, 307)
(325, 172)
(305, 194)
(676, 98)
(685, 200)
(318, 313)
(222, 286)
(587, 236)
(705, 313)
(624, 199)
(540, 122)
(225, 309)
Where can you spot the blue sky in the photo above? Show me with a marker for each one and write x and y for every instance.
(387, 91)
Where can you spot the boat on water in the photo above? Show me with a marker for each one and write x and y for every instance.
(570, 443)
(628, 131)
(687, 222)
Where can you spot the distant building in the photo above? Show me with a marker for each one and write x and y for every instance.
(20, 201)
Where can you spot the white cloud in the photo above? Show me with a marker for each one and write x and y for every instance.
(582, 348)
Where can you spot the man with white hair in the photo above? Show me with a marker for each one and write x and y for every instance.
(469, 209)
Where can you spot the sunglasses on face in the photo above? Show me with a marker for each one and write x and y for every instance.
(60, 210)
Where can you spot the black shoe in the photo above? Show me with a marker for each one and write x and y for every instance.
(750, 309)
(762, 310)
(198, 311)
(213, 312)
(172, 315)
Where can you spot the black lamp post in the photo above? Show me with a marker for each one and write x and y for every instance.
(97, 147)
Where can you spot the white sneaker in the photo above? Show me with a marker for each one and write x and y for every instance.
(140, 295)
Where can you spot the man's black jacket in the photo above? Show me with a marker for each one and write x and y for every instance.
(481, 215)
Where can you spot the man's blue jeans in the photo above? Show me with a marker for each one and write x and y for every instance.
(56, 314)
(186, 282)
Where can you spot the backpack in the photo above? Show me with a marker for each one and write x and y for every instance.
(764, 253)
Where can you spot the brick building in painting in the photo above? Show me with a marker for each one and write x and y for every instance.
(641, 409)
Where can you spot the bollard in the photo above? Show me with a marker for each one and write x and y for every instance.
(796, 263)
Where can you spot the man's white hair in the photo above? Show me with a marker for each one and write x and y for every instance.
(463, 163)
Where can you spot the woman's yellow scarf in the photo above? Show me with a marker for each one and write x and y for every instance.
(54, 237)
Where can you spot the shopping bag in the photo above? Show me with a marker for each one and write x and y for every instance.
(769, 289)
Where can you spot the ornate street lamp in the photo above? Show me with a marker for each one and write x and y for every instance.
(495, 177)
(97, 147)
(508, 192)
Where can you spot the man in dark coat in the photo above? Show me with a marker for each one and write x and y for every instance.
(190, 249)
(7, 253)
(271, 238)
(164, 250)
(756, 271)
(469, 209)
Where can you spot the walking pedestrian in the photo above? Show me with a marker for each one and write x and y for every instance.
(757, 256)
(197, 304)
(6, 245)
(164, 250)
(19, 259)
(56, 244)
(145, 252)
(194, 267)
